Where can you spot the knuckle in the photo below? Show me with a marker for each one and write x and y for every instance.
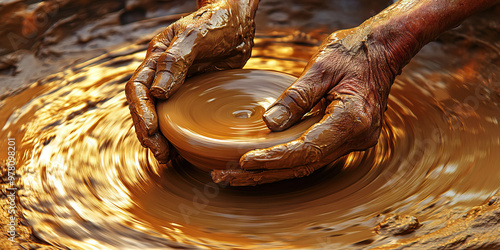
(174, 63)
(314, 153)
(156, 46)
(147, 64)
(142, 79)
(167, 61)
(362, 121)
(136, 89)
(367, 122)
(299, 97)
(131, 91)
(128, 88)
(171, 55)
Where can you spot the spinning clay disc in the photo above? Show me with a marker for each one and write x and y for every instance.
(215, 118)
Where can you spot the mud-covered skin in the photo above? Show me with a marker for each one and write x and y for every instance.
(353, 70)
(218, 36)
(354, 78)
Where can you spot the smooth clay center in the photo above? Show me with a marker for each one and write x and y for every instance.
(215, 118)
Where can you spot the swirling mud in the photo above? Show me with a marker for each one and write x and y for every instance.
(86, 182)
(217, 117)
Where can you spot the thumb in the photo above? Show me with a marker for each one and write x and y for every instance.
(171, 71)
(296, 101)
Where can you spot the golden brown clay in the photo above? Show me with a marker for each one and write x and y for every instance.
(81, 167)
(353, 70)
(217, 117)
(217, 36)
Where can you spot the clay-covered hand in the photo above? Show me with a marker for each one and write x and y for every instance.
(218, 36)
(353, 71)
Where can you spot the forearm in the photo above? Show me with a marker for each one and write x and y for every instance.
(427, 19)
(409, 24)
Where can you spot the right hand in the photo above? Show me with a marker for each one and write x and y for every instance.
(218, 36)
(352, 72)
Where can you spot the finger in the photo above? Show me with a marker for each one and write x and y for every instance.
(192, 52)
(141, 103)
(346, 126)
(251, 178)
(145, 122)
(297, 100)
(159, 146)
(142, 108)
(171, 71)
(234, 62)
(288, 155)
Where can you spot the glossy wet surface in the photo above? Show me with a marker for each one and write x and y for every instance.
(217, 117)
(88, 182)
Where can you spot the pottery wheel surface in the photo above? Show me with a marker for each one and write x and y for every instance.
(85, 182)
(215, 118)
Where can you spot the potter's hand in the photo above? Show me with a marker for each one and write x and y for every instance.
(352, 73)
(353, 70)
(218, 36)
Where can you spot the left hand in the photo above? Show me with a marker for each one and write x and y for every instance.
(218, 36)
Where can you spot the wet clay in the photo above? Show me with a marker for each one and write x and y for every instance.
(214, 118)
(82, 163)
(85, 182)
(217, 36)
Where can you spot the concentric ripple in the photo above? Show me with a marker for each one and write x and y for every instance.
(217, 117)
(88, 183)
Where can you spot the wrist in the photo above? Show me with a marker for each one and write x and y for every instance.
(406, 26)
(397, 41)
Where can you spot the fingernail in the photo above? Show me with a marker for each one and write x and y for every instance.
(277, 117)
(158, 92)
(161, 84)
